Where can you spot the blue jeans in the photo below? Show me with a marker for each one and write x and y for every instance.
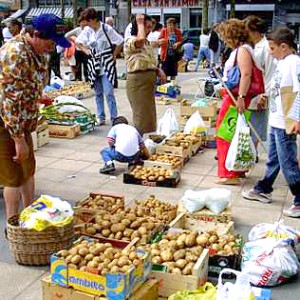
(282, 155)
(103, 85)
(202, 53)
(110, 154)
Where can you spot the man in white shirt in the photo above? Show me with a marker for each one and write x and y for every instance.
(203, 49)
(98, 39)
(125, 145)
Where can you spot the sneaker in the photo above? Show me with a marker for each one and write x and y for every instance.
(293, 211)
(107, 169)
(256, 196)
(100, 122)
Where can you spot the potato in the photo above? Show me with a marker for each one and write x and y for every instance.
(123, 260)
(82, 263)
(173, 246)
(142, 230)
(176, 271)
(73, 251)
(115, 269)
(180, 263)
(155, 252)
(82, 268)
(180, 244)
(92, 264)
(197, 250)
(89, 257)
(101, 247)
(72, 266)
(117, 227)
(128, 232)
(188, 269)
(104, 271)
(105, 232)
(97, 227)
(156, 260)
(202, 240)
(191, 257)
(97, 259)
(91, 230)
(126, 222)
(94, 250)
(76, 259)
(83, 251)
(106, 262)
(179, 254)
(135, 225)
(190, 240)
(69, 258)
(105, 224)
(166, 255)
(132, 255)
(63, 253)
(109, 253)
(213, 239)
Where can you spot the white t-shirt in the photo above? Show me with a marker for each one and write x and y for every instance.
(265, 62)
(286, 74)
(154, 37)
(126, 139)
(204, 40)
(6, 34)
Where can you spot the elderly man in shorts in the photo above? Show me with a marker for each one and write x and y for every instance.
(23, 73)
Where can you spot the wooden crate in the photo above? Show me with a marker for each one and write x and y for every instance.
(171, 283)
(207, 111)
(184, 221)
(63, 131)
(87, 214)
(156, 163)
(43, 137)
(173, 150)
(206, 215)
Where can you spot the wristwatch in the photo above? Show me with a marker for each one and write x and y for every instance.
(241, 97)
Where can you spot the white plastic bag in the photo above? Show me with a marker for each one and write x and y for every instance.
(277, 230)
(193, 201)
(269, 262)
(56, 80)
(151, 146)
(168, 123)
(217, 199)
(241, 154)
(195, 124)
(240, 290)
(73, 104)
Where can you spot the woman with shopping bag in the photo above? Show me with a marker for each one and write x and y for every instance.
(245, 81)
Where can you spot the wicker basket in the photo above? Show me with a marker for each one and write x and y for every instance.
(31, 247)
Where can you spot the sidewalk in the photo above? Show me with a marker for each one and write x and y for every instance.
(70, 169)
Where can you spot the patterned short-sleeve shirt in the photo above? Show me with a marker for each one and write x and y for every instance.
(139, 59)
(22, 78)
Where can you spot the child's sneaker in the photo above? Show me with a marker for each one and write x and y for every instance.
(107, 169)
(293, 211)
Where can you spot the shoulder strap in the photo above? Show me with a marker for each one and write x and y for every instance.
(107, 37)
(236, 54)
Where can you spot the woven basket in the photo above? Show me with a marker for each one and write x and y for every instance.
(31, 247)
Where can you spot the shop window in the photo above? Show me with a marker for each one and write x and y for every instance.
(195, 18)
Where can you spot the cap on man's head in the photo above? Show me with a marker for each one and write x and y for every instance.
(47, 25)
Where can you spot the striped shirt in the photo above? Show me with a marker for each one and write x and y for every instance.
(295, 110)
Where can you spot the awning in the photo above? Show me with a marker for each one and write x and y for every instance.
(50, 10)
(18, 14)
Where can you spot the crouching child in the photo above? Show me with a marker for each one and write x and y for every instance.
(125, 145)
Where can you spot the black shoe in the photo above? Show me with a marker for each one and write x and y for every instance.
(257, 159)
(107, 169)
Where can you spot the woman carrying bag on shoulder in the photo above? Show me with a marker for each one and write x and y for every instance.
(244, 80)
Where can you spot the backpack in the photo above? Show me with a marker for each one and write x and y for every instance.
(213, 43)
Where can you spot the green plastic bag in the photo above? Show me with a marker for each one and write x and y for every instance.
(205, 292)
(227, 128)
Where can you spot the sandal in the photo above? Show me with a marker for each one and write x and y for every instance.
(228, 181)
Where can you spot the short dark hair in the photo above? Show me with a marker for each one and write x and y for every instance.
(158, 26)
(206, 31)
(119, 120)
(134, 29)
(171, 21)
(255, 23)
(89, 14)
(282, 35)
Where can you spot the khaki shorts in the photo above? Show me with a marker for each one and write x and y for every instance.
(13, 174)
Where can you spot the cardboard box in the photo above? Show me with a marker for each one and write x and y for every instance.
(113, 286)
(171, 283)
(64, 131)
(184, 221)
(51, 291)
(207, 111)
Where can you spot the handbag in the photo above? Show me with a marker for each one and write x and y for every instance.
(234, 74)
(257, 80)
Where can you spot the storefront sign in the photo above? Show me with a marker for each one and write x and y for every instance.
(165, 3)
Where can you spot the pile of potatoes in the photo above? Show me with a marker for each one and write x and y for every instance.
(159, 210)
(104, 203)
(151, 174)
(175, 161)
(94, 257)
(124, 226)
(181, 137)
(179, 251)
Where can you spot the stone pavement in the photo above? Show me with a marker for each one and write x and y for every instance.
(70, 169)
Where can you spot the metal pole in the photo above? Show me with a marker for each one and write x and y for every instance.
(62, 5)
(74, 5)
(235, 103)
